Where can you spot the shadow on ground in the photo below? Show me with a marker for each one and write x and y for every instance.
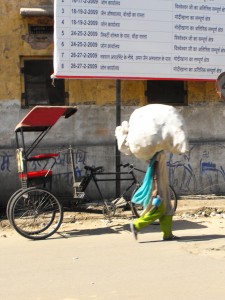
(193, 238)
(178, 225)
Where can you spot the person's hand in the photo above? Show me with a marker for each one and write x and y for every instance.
(154, 193)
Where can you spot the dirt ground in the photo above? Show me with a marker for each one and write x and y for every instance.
(206, 213)
(91, 257)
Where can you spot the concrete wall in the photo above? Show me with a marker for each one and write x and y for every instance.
(91, 133)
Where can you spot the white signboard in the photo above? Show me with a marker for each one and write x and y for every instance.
(139, 39)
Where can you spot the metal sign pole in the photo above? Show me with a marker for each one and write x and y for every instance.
(118, 122)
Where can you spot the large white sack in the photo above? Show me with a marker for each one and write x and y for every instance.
(121, 133)
(152, 128)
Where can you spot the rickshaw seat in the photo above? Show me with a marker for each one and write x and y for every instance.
(36, 174)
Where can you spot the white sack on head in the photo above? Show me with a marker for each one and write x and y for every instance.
(121, 133)
(153, 128)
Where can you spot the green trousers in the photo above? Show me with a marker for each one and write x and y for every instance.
(150, 217)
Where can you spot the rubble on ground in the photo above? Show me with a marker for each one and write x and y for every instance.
(204, 212)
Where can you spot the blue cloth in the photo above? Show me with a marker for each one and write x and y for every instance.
(143, 194)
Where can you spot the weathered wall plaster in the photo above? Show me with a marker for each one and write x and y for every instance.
(200, 171)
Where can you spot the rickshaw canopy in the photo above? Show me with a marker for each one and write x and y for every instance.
(41, 118)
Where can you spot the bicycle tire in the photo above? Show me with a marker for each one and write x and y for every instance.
(35, 213)
(137, 209)
(173, 198)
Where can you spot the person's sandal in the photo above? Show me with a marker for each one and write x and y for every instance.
(172, 238)
(134, 230)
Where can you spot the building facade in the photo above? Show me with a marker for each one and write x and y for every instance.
(26, 40)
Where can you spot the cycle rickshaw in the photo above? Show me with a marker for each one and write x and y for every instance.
(33, 210)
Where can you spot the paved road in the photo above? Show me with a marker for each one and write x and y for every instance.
(108, 264)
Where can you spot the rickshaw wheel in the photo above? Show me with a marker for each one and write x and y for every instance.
(10, 202)
(35, 213)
